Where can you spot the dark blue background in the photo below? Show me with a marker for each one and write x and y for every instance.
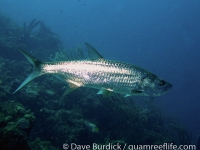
(162, 36)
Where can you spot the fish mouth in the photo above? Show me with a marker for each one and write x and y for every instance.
(169, 86)
(164, 90)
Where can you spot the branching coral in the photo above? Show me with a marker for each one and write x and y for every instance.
(40, 41)
(69, 54)
(28, 29)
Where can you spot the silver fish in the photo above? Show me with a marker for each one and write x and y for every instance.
(106, 75)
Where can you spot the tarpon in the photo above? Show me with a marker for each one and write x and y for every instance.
(96, 72)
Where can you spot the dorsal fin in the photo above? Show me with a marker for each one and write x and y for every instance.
(92, 53)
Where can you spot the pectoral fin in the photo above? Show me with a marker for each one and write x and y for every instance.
(127, 95)
(136, 92)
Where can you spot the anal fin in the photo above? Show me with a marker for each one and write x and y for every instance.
(72, 86)
(67, 91)
(105, 92)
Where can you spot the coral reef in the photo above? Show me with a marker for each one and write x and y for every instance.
(181, 134)
(38, 144)
(16, 123)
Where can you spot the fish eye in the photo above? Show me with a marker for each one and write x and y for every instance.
(162, 83)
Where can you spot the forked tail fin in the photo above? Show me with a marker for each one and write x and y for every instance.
(36, 70)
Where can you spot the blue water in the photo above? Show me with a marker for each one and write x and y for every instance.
(160, 36)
